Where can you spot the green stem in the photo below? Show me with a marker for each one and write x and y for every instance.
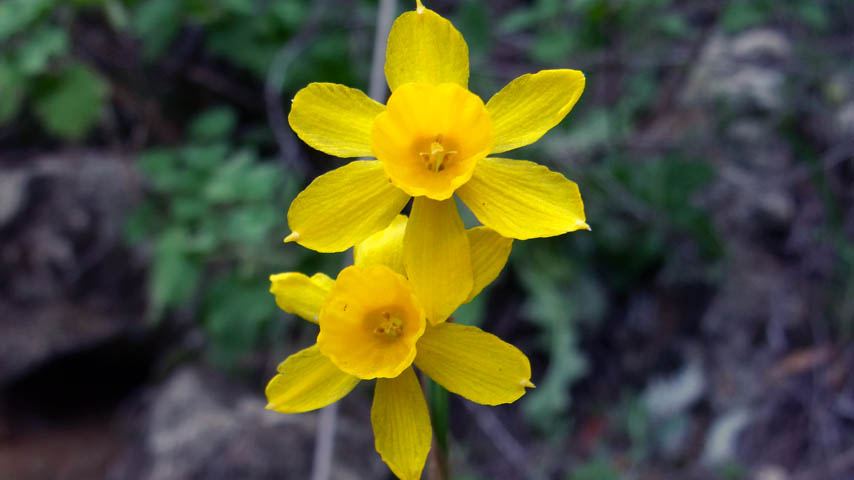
(437, 399)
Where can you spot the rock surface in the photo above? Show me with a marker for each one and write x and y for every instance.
(196, 425)
(61, 218)
(744, 71)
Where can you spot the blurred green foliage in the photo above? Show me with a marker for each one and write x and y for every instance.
(248, 34)
(594, 470)
(214, 215)
(69, 97)
(590, 22)
(743, 14)
(637, 207)
(36, 63)
(638, 211)
(558, 298)
(70, 103)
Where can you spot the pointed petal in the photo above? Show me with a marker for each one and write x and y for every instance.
(521, 199)
(384, 247)
(531, 105)
(401, 422)
(489, 253)
(307, 380)
(437, 257)
(344, 206)
(423, 47)
(334, 119)
(298, 294)
(474, 364)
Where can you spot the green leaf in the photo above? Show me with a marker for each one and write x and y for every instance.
(159, 166)
(291, 14)
(73, 103)
(188, 208)
(16, 15)
(13, 86)
(813, 14)
(473, 21)
(87, 3)
(518, 19)
(184, 171)
(236, 312)
(243, 45)
(553, 45)
(437, 399)
(141, 223)
(672, 24)
(214, 124)
(740, 15)
(595, 470)
(39, 47)
(544, 273)
(243, 179)
(204, 158)
(251, 225)
(594, 130)
(240, 7)
(174, 275)
(157, 22)
(117, 14)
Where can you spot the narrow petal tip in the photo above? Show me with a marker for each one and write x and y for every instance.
(527, 383)
(581, 225)
(270, 406)
(293, 237)
(419, 7)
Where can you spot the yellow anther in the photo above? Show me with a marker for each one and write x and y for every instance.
(390, 326)
(436, 157)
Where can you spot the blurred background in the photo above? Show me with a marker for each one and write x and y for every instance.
(700, 331)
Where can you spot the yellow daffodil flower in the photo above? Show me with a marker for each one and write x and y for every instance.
(372, 326)
(431, 141)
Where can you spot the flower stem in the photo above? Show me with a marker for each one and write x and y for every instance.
(437, 399)
(385, 15)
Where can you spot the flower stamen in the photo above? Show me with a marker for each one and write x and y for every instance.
(435, 158)
(389, 325)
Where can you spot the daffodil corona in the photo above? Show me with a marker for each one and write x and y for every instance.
(430, 138)
(373, 326)
(431, 142)
(370, 322)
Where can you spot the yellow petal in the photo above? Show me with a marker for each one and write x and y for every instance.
(424, 47)
(437, 257)
(489, 252)
(323, 281)
(307, 380)
(298, 294)
(521, 199)
(474, 364)
(384, 247)
(401, 422)
(344, 206)
(334, 119)
(531, 105)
